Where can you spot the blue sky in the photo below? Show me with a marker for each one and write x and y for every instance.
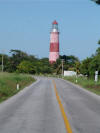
(26, 24)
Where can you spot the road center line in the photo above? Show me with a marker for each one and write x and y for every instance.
(67, 124)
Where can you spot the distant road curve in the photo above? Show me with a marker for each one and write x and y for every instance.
(35, 109)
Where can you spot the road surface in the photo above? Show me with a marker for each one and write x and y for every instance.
(35, 109)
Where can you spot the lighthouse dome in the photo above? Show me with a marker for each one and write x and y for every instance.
(55, 22)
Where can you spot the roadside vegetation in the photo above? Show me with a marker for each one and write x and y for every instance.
(21, 63)
(9, 81)
(86, 83)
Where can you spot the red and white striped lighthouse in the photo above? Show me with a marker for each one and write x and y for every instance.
(54, 43)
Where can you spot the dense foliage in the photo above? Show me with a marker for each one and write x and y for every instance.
(21, 62)
(90, 65)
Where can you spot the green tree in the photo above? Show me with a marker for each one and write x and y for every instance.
(70, 62)
(16, 58)
(77, 67)
(99, 42)
(85, 66)
(96, 1)
(44, 66)
(94, 65)
(26, 67)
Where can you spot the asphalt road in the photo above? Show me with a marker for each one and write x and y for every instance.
(36, 110)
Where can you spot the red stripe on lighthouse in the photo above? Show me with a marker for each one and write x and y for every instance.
(54, 47)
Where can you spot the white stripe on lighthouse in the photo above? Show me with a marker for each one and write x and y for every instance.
(54, 38)
(53, 56)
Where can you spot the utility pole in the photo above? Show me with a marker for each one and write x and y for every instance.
(62, 60)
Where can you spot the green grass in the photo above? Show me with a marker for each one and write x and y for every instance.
(88, 84)
(9, 81)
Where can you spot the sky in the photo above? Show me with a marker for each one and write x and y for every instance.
(26, 25)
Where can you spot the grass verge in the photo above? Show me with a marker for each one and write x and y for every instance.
(88, 84)
(9, 81)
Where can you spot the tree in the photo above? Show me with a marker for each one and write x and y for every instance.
(69, 59)
(43, 66)
(70, 62)
(96, 1)
(85, 66)
(90, 65)
(77, 67)
(26, 67)
(94, 65)
(17, 57)
(99, 42)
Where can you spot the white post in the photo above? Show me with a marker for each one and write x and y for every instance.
(76, 78)
(62, 66)
(2, 61)
(17, 86)
(96, 76)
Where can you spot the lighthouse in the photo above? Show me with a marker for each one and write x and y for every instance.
(54, 43)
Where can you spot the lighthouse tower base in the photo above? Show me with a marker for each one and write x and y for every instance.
(53, 57)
